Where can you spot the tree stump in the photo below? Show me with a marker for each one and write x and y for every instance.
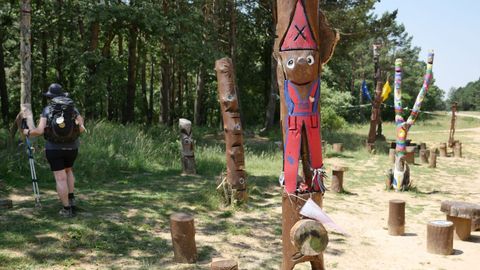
(338, 147)
(461, 214)
(433, 158)
(6, 204)
(188, 156)
(290, 216)
(337, 178)
(424, 156)
(309, 237)
(410, 154)
(223, 264)
(396, 217)
(443, 149)
(440, 237)
(391, 155)
(182, 229)
(457, 149)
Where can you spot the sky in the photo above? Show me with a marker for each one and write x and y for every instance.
(450, 28)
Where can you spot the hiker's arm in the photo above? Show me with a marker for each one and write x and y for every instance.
(38, 130)
(80, 122)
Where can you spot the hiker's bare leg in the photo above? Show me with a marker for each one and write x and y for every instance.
(62, 186)
(70, 180)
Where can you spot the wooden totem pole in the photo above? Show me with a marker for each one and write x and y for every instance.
(375, 120)
(451, 139)
(304, 42)
(401, 172)
(188, 154)
(235, 183)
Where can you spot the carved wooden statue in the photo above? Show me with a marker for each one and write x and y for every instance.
(304, 43)
(401, 179)
(451, 139)
(228, 97)
(188, 155)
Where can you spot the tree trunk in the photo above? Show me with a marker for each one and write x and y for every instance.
(26, 63)
(143, 78)
(166, 85)
(132, 75)
(150, 96)
(3, 83)
(59, 52)
(200, 114)
(90, 100)
(44, 68)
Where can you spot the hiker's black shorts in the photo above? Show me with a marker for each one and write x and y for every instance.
(61, 159)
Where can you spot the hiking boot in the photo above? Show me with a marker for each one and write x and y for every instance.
(73, 204)
(66, 213)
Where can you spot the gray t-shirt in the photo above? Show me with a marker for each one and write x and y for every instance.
(59, 146)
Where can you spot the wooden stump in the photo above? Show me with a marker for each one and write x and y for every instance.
(443, 149)
(223, 264)
(457, 149)
(6, 204)
(337, 179)
(433, 158)
(410, 154)
(188, 156)
(182, 229)
(424, 156)
(290, 216)
(461, 214)
(440, 237)
(309, 237)
(396, 217)
(391, 155)
(338, 147)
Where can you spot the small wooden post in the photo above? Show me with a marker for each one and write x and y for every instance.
(433, 158)
(410, 155)
(443, 149)
(338, 147)
(182, 229)
(391, 155)
(223, 264)
(6, 204)
(188, 156)
(309, 237)
(440, 237)
(396, 217)
(457, 149)
(337, 179)
(424, 156)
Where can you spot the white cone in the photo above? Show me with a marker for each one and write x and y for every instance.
(312, 210)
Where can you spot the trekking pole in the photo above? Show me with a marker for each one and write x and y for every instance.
(36, 190)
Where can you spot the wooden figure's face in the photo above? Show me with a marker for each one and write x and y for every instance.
(300, 66)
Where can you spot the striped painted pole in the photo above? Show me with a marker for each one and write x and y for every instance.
(399, 121)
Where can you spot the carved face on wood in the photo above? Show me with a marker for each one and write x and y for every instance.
(300, 66)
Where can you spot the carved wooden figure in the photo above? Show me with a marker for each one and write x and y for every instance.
(228, 98)
(304, 43)
(188, 156)
(451, 139)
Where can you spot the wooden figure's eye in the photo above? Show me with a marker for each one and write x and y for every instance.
(310, 60)
(290, 63)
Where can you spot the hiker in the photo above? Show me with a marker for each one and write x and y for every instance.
(61, 124)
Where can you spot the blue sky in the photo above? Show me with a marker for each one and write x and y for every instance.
(450, 28)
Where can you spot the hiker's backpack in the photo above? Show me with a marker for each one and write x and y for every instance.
(61, 126)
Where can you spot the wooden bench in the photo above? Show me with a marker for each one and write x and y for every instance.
(465, 217)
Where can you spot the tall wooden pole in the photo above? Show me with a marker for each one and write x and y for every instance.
(375, 118)
(451, 139)
(26, 63)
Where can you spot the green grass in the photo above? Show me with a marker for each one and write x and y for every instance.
(128, 183)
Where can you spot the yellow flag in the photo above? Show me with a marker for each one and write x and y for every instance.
(386, 91)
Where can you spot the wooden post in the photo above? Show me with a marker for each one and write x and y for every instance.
(182, 229)
(433, 158)
(461, 214)
(375, 115)
(290, 216)
(223, 264)
(410, 155)
(443, 149)
(457, 149)
(337, 180)
(423, 146)
(396, 217)
(338, 147)
(440, 237)
(424, 156)
(26, 63)
(228, 98)
(391, 155)
(6, 204)
(451, 137)
(188, 156)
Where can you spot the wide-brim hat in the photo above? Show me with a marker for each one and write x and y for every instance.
(55, 90)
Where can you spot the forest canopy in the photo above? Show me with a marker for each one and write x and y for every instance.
(148, 61)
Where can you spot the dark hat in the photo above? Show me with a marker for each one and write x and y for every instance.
(55, 90)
